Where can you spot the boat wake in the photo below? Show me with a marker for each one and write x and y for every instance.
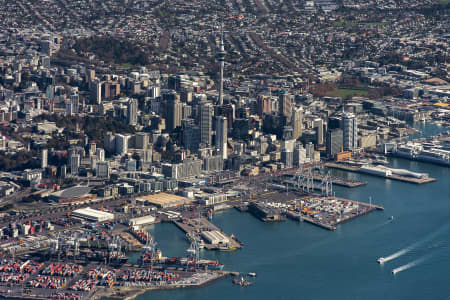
(437, 248)
(410, 265)
(397, 254)
(417, 244)
(382, 224)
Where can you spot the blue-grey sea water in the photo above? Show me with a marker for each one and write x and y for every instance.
(301, 261)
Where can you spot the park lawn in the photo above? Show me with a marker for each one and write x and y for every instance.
(343, 93)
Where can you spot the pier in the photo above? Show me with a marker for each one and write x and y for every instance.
(357, 169)
(340, 181)
(310, 211)
(215, 238)
(133, 243)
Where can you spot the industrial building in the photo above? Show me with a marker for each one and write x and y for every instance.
(142, 221)
(164, 200)
(93, 215)
(215, 237)
(73, 194)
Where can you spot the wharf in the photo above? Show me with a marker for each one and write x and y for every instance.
(119, 290)
(300, 218)
(341, 181)
(265, 214)
(131, 292)
(241, 207)
(195, 227)
(131, 240)
(331, 224)
(393, 176)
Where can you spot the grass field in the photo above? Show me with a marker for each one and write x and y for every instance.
(341, 92)
(127, 65)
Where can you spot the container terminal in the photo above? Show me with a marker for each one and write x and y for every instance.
(82, 251)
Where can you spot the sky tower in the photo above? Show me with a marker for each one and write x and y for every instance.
(221, 59)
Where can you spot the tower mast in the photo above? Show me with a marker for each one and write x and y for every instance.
(221, 59)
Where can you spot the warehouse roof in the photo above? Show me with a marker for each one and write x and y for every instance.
(73, 192)
(164, 200)
(93, 214)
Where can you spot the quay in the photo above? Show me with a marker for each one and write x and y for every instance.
(264, 213)
(341, 181)
(216, 239)
(359, 169)
(131, 240)
(52, 280)
(309, 211)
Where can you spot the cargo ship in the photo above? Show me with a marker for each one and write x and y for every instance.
(140, 235)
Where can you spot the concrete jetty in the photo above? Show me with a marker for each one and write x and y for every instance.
(357, 169)
(330, 221)
(215, 238)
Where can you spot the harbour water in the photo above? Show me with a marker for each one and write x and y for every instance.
(298, 260)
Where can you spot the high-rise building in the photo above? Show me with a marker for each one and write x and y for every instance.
(309, 148)
(191, 135)
(100, 153)
(96, 91)
(74, 163)
(285, 105)
(213, 163)
(186, 110)
(73, 106)
(349, 127)
(102, 170)
(228, 111)
(287, 158)
(131, 165)
(318, 125)
(206, 114)
(222, 136)
(91, 74)
(132, 111)
(297, 122)
(44, 158)
(263, 105)
(92, 148)
(141, 140)
(334, 142)
(110, 142)
(3, 142)
(121, 146)
(146, 155)
(299, 155)
(174, 112)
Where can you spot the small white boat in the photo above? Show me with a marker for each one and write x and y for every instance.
(252, 274)
(394, 271)
(381, 260)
